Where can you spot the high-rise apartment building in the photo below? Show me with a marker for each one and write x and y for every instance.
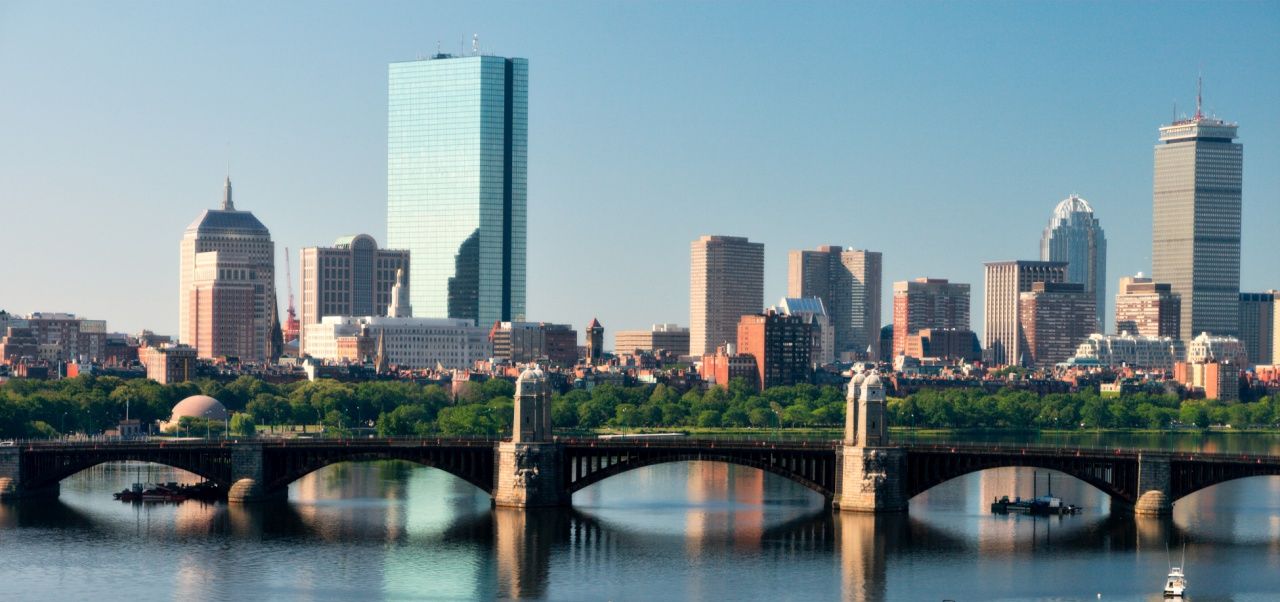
(1195, 228)
(780, 346)
(457, 138)
(726, 282)
(1005, 282)
(1257, 326)
(1055, 317)
(822, 345)
(848, 282)
(227, 290)
(352, 278)
(1074, 236)
(1148, 308)
(932, 303)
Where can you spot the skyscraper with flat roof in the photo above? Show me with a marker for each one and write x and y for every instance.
(848, 282)
(457, 138)
(1195, 227)
(726, 282)
(1074, 236)
(1005, 282)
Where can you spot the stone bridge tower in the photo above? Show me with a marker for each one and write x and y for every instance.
(872, 474)
(529, 466)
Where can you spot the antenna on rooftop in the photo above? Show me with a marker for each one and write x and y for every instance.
(475, 44)
(1199, 90)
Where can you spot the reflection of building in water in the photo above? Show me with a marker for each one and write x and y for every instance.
(711, 483)
(524, 540)
(861, 539)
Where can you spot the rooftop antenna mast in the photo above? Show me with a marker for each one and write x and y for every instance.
(1199, 90)
(475, 44)
(288, 276)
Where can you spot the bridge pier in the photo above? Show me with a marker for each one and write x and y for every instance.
(247, 483)
(871, 479)
(529, 475)
(1154, 485)
(12, 484)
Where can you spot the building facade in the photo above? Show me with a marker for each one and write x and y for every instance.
(780, 346)
(1147, 308)
(848, 282)
(53, 337)
(168, 363)
(726, 364)
(524, 342)
(227, 291)
(1257, 326)
(1074, 236)
(822, 342)
(1132, 350)
(943, 343)
(1207, 348)
(595, 341)
(1055, 317)
(927, 303)
(1005, 283)
(352, 278)
(457, 138)
(409, 343)
(726, 282)
(1195, 229)
(672, 338)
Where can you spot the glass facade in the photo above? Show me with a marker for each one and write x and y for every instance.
(1196, 223)
(1074, 236)
(457, 138)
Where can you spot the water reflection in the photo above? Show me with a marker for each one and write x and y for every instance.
(673, 531)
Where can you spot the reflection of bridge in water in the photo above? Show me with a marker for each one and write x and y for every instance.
(873, 479)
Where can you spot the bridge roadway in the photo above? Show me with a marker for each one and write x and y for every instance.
(1146, 481)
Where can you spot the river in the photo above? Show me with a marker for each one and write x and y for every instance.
(706, 531)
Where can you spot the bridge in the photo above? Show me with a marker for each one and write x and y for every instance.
(863, 472)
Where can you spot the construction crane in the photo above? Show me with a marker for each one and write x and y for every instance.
(291, 326)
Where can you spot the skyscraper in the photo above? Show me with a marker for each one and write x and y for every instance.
(1148, 308)
(1195, 229)
(1055, 317)
(1005, 282)
(927, 303)
(848, 282)
(1074, 236)
(352, 278)
(227, 290)
(726, 282)
(457, 138)
(1257, 324)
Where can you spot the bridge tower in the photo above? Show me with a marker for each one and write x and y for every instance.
(1154, 480)
(872, 474)
(530, 465)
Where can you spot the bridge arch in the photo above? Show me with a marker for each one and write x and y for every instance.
(1187, 478)
(1115, 477)
(816, 474)
(280, 470)
(46, 470)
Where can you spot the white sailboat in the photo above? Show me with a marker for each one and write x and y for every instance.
(1175, 585)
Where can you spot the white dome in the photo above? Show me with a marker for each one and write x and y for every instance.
(873, 380)
(532, 381)
(199, 406)
(1071, 204)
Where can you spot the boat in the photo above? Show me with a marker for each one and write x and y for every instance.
(170, 492)
(1044, 505)
(1176, 584)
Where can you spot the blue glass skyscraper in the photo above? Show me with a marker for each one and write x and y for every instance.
(1074, 236)
(457, 138)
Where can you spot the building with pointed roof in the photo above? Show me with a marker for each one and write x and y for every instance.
(1075, 236)
(595, 341)
(226, 297)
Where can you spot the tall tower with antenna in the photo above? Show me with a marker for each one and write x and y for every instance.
(291, 326)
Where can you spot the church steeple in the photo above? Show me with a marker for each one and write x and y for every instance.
(227, 195)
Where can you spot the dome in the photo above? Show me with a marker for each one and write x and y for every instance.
(531, 382)
(198, 406)
(1069, 205)
(873, 380)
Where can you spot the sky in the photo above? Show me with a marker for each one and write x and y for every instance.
(941, 134)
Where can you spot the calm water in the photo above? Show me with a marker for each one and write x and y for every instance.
(390, 530)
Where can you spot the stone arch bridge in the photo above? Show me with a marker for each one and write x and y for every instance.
(876, 479)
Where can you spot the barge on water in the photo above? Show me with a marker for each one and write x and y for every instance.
(170, 492)
(1042, 505)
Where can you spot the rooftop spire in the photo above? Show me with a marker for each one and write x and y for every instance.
(227, 205)
(1199, 90)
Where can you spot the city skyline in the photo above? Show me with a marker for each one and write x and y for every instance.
(581, 219)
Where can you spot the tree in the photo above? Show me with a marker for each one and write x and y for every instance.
(709, 419)
(242, 424)
(401, 422)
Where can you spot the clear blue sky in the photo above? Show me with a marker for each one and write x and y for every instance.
(939, 134)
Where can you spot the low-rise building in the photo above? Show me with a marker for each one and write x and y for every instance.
(943, 343)
(1134, 351)
(1218, 380)
(169, 363)
(1209, 348)
(672, 338)
(727, 364)
(411, 343)
(524, 342)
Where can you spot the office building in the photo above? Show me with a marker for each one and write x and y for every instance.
(525, 342)
(1195, 229)
(1147, 308)
(352, 278)
(1074, 236)
(943, 343)
(927, 303)
(407, 343)
(822, 346)
(1257, 326)
(848, 282)
(169, 363)
(780, 346)
(671, 338)
(726, 282)
(227, 291)
(1055, 317)
(1005, 282)
(457, 138)
(1136, 351)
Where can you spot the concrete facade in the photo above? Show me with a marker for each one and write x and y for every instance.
(726, 282)
(849, 282)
